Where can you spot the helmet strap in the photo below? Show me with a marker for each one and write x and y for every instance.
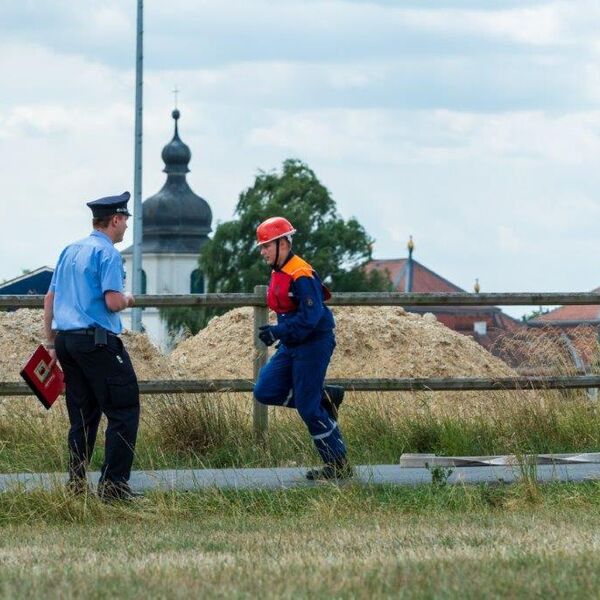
(277, 246)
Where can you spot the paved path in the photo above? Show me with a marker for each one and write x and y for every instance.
(280, 478)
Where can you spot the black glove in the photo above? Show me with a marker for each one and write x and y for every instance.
(266, 335)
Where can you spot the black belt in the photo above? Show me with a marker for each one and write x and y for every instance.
(88, 331)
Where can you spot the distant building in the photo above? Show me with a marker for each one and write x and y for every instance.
(176, 224)
(33, 282)
(483, 323)
(569, 316)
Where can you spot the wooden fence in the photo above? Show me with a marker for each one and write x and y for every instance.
(258, 301)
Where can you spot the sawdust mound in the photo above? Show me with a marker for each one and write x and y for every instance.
(22, 331)
(390, 342)
(148, 361)
(371, 342)
(224, 349)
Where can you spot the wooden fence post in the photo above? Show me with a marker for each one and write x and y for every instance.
(261, 317)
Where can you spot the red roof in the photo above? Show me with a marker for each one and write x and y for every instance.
(583, 312)
(427, 281)
(458, 318)
(424, 280)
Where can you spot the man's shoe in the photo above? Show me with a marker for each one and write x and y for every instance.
(333, 396)
(78, 486)
(339, 469)
(109, 491)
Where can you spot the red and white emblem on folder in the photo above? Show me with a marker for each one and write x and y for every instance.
(45, 382)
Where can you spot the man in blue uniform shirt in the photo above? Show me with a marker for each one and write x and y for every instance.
(82, 326)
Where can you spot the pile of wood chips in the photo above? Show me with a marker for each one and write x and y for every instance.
(371, 342)
(22, 331)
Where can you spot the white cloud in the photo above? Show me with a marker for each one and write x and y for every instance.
(108, 20)
(404, 137)
(475, 129)
(539, 25)
(40, 75)
(188, 32)
(508, 240)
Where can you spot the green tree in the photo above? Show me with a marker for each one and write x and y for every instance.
(535, 313)
(336, 248)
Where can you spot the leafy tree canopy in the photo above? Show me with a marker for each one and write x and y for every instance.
(336, 248)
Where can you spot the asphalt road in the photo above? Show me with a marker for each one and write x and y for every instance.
(285, 478)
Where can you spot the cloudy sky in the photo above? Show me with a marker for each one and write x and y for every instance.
(472, 125)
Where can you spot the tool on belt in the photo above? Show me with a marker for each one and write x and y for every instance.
(100, 334)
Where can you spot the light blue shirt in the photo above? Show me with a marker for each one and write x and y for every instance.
(85, 271)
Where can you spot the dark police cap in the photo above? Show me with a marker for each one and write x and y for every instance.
(111, 205)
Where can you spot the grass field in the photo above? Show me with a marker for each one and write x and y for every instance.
(348, 542)
(433, 541)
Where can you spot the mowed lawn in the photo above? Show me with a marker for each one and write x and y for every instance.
(346, 542)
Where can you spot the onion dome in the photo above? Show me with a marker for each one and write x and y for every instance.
(176, 155)
(175, 220)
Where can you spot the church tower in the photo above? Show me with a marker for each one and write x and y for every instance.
(176, 224)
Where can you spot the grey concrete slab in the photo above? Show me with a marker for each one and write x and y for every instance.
(432, 460)
(286, 478)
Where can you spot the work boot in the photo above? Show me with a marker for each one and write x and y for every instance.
(333, 395)
(338, 469)
(110, 491)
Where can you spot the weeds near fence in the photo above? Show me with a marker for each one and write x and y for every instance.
(215, 430)
(192, 431)
(549, 350)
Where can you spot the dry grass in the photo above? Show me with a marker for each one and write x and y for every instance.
(188, 431)
(432, 541)
(349, 543)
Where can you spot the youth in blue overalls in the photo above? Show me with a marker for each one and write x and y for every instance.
(295, 375)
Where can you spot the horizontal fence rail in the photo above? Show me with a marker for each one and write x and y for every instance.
(163, 300)
(342, 299)
(402, 384)
(257, 299)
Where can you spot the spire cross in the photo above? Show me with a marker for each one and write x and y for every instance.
(175, 92)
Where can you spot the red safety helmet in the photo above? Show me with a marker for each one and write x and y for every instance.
(273, 229)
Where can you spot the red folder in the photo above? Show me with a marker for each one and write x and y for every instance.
(45, 382)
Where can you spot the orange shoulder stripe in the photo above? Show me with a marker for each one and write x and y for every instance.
(297, 267)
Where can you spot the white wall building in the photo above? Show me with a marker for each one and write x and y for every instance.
(176, 224)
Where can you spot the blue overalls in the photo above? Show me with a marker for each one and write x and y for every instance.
(294, 376)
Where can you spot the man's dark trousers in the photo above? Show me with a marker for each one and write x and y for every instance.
(99, 379)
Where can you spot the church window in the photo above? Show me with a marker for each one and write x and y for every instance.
(197, 282)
